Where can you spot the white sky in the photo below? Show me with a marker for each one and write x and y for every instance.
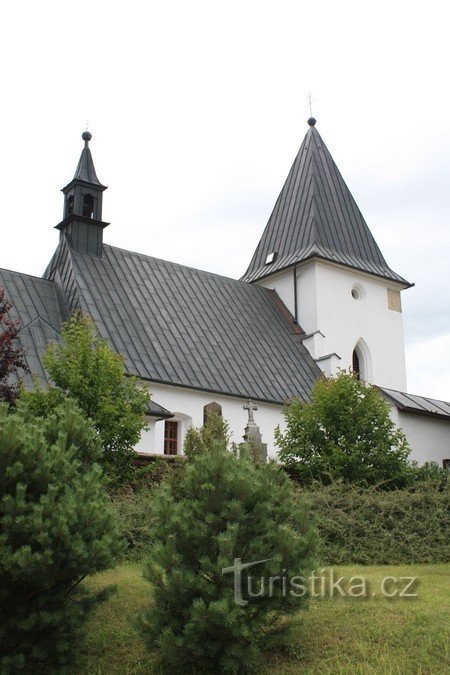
(197, 110)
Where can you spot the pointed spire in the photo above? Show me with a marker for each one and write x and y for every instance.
(315, 216)
(85, 170)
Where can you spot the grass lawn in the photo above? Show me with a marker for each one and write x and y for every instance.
(337, 635)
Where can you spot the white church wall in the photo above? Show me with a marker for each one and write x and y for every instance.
(346, 321)
(428, 437)
(341, 322)
(187, 406)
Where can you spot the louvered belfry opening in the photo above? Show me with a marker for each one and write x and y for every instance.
(355, 364)
(88, 206)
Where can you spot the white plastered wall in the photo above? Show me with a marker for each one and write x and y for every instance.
(428, 437)
(339, 322)
(187, 407)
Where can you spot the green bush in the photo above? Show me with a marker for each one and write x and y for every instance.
(84, 368)
(375, 527)
(345, 432)
(222, 508)
(56, 527)
(132, 512)
(132, 505)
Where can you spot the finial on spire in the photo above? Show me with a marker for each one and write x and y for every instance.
(86, 136)
(312, 121)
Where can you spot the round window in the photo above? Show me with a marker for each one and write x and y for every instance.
(358, 292)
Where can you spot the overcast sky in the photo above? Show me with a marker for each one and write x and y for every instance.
(197, 110)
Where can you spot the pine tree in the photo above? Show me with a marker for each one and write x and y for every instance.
(56, 527)
(223, 507)
(12, 356)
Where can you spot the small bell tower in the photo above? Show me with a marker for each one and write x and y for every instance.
(82, 223)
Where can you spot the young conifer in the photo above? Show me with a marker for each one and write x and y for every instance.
(224, 508)
(56, 528)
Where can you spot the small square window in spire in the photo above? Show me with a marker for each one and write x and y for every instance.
(271, 257)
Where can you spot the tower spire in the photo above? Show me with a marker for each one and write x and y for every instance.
(85, 169)
(315, 216)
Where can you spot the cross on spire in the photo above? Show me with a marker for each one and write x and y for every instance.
(310, 102)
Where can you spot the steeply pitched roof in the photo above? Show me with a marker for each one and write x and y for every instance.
(85, 170)
(35, 304)
(188, 328)
(315, 215)
(419, 405)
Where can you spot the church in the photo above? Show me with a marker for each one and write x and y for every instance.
(318, 296)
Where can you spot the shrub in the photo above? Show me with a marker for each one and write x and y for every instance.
(345, 432)
(56, 527)
(84, 367)
(132, 512)
(133, 506)
(375, 527)
(223, 508)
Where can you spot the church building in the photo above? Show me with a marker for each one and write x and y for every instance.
(318, 296)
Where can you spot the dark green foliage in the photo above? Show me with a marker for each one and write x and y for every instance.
(132, 512)
(345, 432)
(430, 471)
(84, 368)
(56, 527)
(222, 508)
(374, 527)
(356, 525)
(132, 505)
(215, 431)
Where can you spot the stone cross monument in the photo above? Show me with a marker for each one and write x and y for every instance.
(252, 434)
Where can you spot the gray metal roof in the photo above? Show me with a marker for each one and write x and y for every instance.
(156, 410)
(85, 170)
(315, 215)
(36, 305)
(185, 327)
(420, 405)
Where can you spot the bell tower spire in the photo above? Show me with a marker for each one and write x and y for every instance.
(82, 224)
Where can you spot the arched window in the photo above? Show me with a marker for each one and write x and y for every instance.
(88, 206)
(69, 205)
(355, 364)
(362, 361)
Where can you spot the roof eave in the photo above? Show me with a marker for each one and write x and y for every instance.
(81, 181)
(403, 282)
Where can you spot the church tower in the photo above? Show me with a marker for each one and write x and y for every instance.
(82, 223)
(318, 253)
